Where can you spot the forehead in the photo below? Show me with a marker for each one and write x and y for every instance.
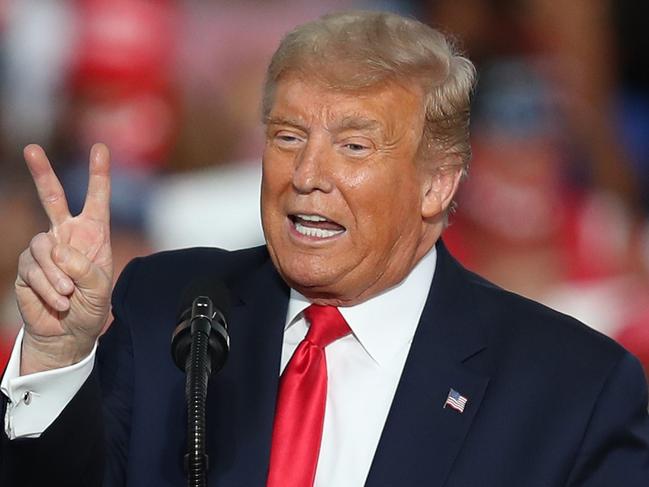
(385, 106)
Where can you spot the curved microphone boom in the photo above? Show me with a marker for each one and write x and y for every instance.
(200, 345)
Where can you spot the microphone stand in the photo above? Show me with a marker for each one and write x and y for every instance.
(205, 340)
(198, 370)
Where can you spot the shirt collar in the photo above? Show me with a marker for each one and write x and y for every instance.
(386, 322)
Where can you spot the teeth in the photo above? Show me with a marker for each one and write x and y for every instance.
(312, 218)
(316, 232)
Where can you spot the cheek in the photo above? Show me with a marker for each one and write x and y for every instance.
(384, 204)
(276, 177)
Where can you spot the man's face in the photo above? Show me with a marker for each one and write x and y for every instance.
(342, 191)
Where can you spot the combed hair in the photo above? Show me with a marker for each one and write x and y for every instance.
(353, 50)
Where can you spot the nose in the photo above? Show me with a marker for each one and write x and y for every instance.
(312, 170)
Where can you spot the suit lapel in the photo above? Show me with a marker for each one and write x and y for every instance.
(249, 380)
(421, 437)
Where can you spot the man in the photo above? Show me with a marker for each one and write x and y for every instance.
(428, 374)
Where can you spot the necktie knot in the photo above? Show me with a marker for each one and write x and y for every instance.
(326, 325)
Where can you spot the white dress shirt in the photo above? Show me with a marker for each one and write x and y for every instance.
(363, 371)
(36, 400)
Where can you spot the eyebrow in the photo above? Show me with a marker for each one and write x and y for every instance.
(282, 120)
(358, 123)
(351, 122)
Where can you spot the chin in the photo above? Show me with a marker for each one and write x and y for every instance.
(301, 273)
(310, 275)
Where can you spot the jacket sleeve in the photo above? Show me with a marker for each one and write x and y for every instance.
(615, 446)
(70, 452)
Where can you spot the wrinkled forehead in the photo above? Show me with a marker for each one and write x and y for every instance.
(383, 106)
(341, 76)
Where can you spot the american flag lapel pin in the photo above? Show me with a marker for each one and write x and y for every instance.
(456, 401)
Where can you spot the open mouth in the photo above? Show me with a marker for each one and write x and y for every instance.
(315, 226)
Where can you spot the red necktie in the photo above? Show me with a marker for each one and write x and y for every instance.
(299, 415)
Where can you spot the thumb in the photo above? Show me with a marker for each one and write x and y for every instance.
(85, 274)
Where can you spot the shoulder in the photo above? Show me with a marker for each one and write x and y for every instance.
(555, 381)
(203, 260)
(207, 258)
(535, 341)
(526, 321)
(162, 277)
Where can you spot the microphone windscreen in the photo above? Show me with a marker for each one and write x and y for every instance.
(206, 286)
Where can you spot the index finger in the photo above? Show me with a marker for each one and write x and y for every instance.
(48, 186)
(97, 205)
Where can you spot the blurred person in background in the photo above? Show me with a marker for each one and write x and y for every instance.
(121, 89)
(83, 70)
(521, 216)
(556, 188)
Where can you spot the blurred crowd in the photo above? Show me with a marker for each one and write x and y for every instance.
(556, 205)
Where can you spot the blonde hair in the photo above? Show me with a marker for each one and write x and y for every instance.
(352, 50)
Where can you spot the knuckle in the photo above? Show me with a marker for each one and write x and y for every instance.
(78, 265)
(39, 242)
(32, 275)
(52, 198)
(33, 243)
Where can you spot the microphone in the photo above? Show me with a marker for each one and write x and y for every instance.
(199, 346)
(205, 306)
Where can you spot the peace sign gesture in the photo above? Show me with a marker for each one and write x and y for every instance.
(65, 275)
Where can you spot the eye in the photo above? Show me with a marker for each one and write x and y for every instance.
(287, 140)
(356, 147)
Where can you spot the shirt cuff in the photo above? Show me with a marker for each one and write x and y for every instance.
(36, 400)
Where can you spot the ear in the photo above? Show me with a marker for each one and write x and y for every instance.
(439, 188)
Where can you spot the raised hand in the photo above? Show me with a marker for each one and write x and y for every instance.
(65, 276)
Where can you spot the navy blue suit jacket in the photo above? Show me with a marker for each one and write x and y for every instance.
(550, 401)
